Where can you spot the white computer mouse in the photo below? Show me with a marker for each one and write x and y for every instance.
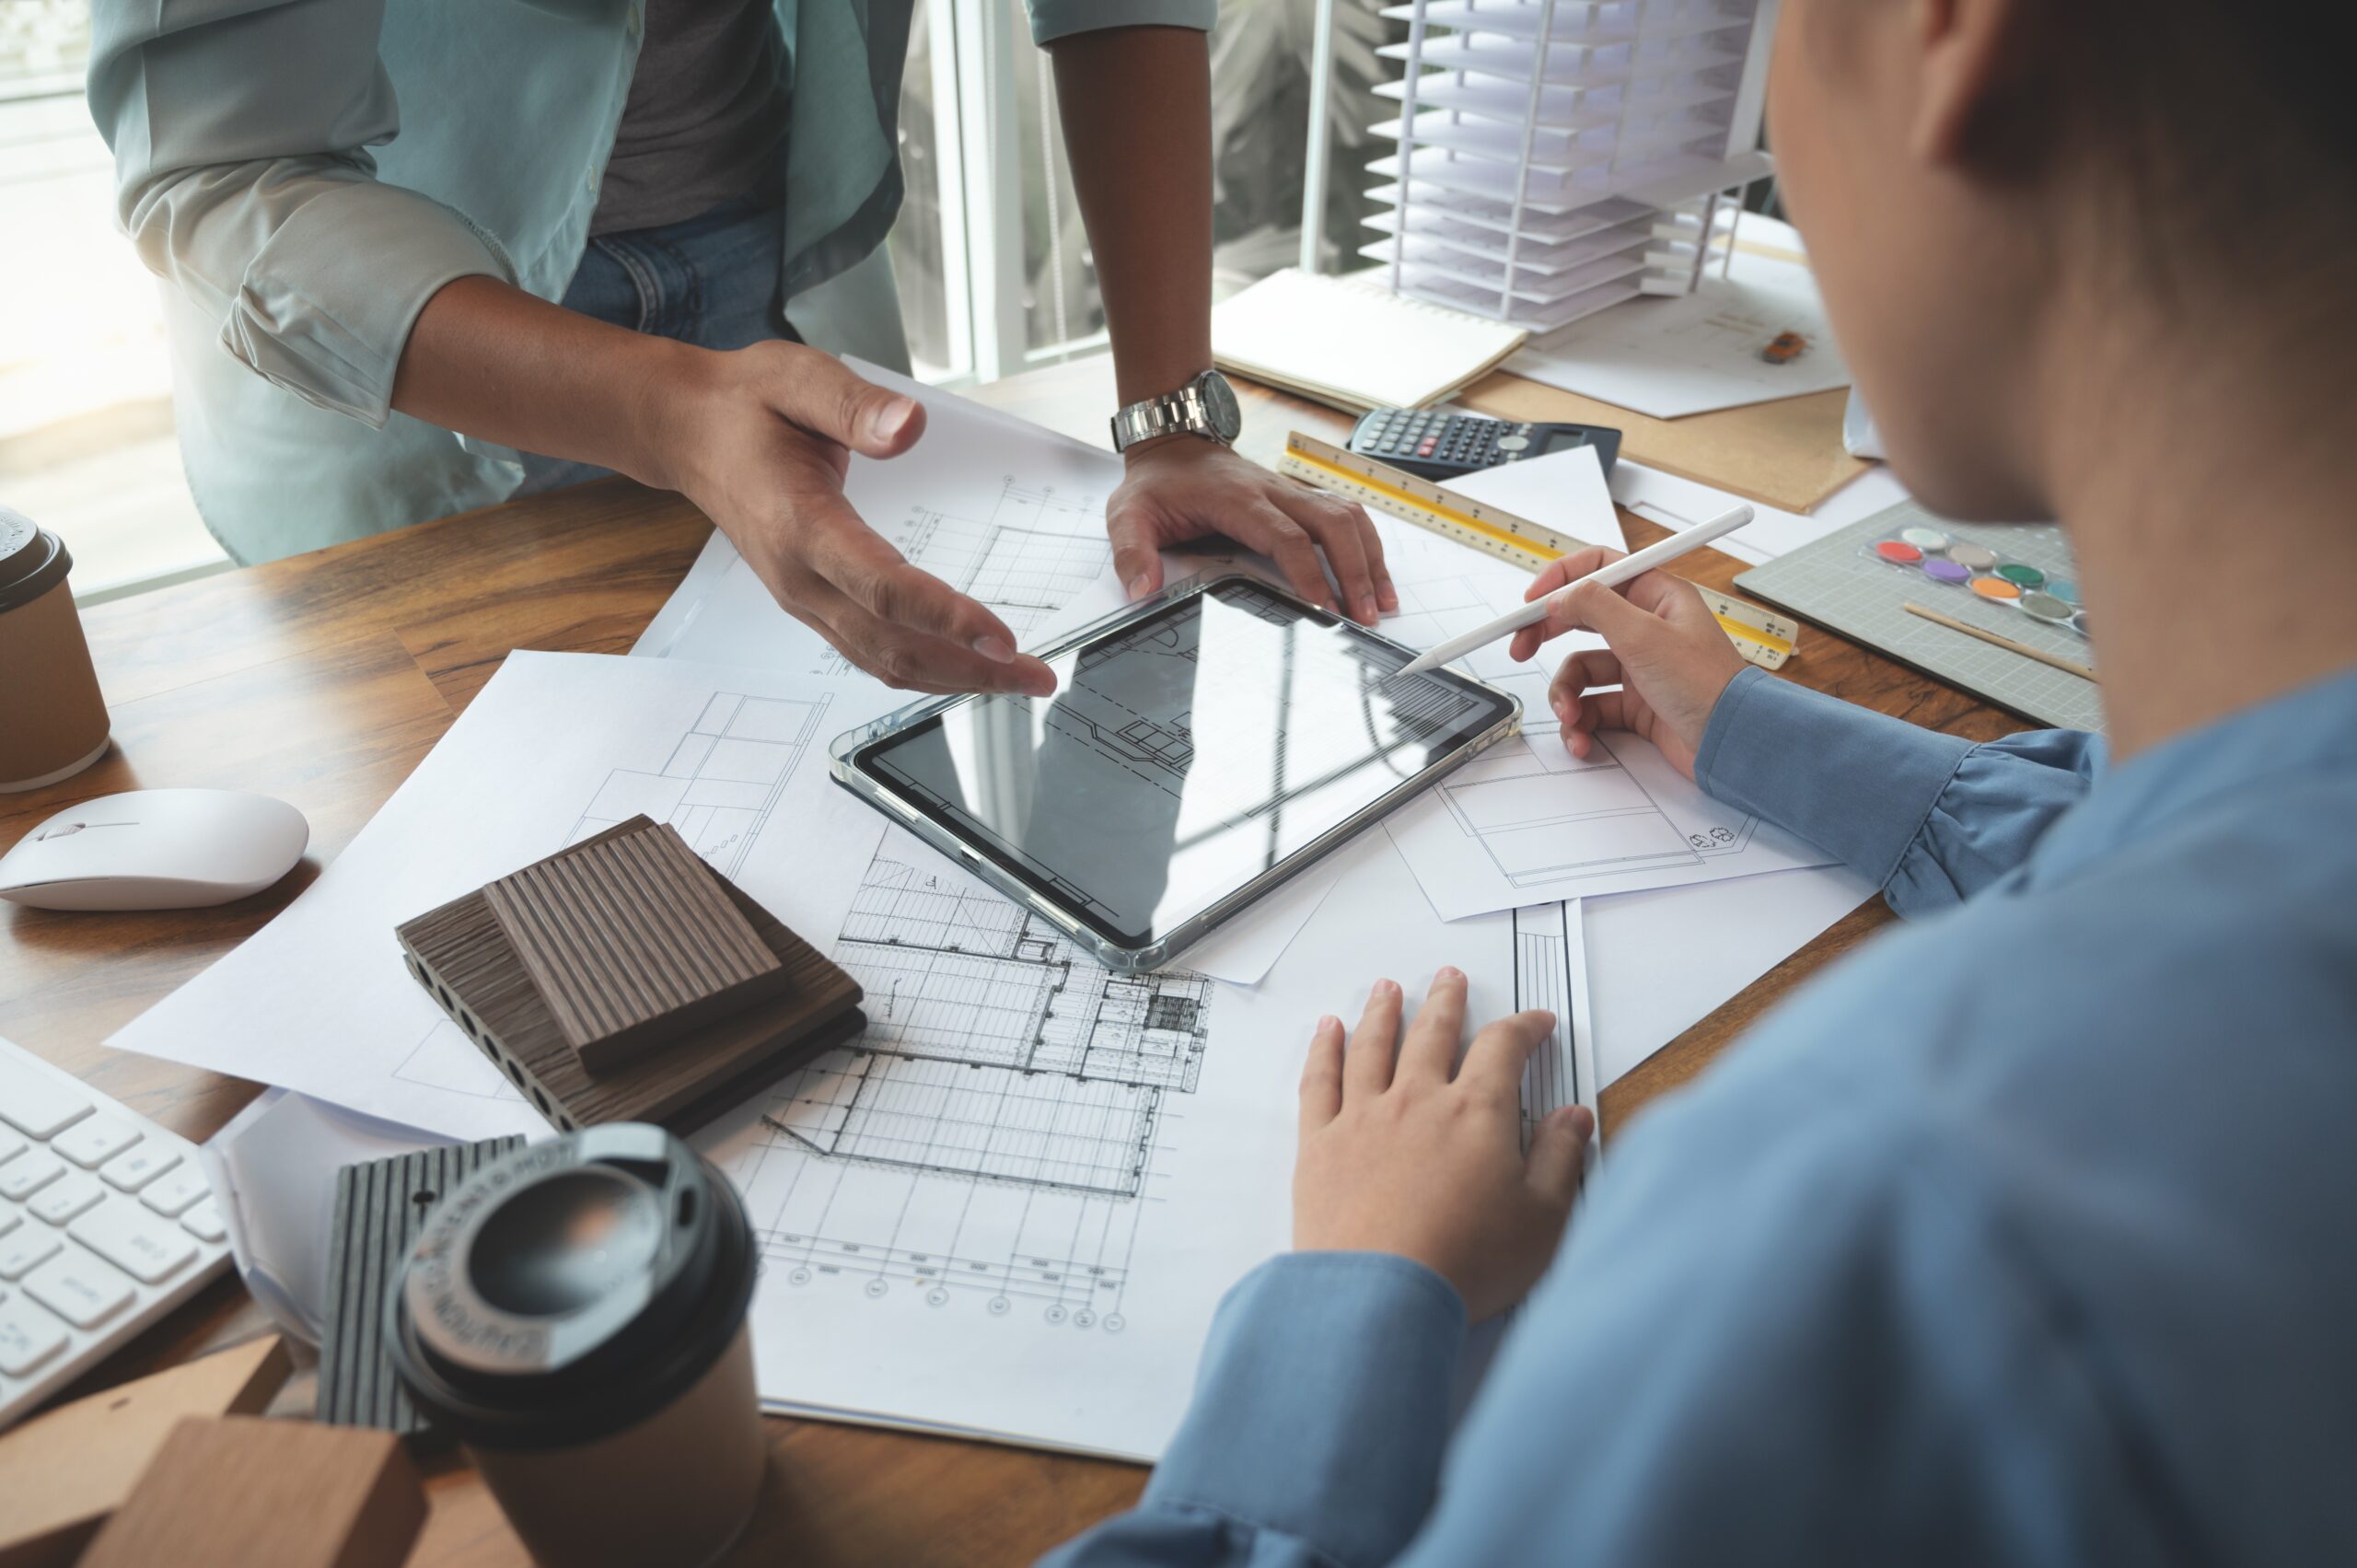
(156, 849)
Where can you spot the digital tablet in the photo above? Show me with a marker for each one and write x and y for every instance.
(1203, 745)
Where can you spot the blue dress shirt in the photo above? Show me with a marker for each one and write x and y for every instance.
(2026, 1236)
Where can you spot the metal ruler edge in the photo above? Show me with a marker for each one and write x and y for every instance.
(1762, 636)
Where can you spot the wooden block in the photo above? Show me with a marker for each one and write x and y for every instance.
(465, 961)
(380, 1206)
(62, 1474)
(631, 941)
(240, 1491)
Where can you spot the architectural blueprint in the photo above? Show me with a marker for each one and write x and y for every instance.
(1000, 1064)
(1010, 1209)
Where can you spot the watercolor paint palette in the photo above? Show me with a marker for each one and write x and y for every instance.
(1857, 582)
(1938, 557)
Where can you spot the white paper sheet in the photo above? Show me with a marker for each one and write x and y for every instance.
(1671, 357)
(1660, 962)
(555, 748)
(1678, 503)
(1564, 491)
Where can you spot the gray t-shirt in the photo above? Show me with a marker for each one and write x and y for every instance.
(707, 111)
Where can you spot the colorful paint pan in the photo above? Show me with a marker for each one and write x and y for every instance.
(1972, 557)
(1996, 587)
(2022, 576)
(1898, 553)
(1946, 572)
(2064, 589)
(1927, 541)
(2046, 607)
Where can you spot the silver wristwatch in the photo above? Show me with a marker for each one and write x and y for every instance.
(1204, 406)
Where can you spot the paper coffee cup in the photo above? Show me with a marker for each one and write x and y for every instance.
(574, 1315)
(53, 720)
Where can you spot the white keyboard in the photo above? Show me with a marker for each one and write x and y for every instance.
(106, 1223)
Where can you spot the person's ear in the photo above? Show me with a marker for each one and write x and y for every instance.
(1974, 59)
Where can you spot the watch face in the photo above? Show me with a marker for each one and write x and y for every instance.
(1219, 403)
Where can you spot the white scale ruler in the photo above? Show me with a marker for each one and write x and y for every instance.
(1766, 639)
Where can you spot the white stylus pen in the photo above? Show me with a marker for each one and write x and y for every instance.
(1610, 575)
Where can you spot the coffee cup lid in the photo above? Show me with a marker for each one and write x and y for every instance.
(32, 560)
(572, 1289)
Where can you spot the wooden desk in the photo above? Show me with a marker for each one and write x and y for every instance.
(324, 679)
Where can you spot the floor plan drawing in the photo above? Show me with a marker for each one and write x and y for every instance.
(995, 1130)
(1539, 815)
(1527, 821)
(722, 779)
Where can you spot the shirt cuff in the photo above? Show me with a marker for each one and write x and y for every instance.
(1052, 19)
(1321, 1407)
(1856, 783)
(325, 308)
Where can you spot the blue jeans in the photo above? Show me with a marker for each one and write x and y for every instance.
(711, 280)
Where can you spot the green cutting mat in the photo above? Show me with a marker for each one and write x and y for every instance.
(1839, 584)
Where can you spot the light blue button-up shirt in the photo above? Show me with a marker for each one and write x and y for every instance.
(305, 174)
(2026, 1236)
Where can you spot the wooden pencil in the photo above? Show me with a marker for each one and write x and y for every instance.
(1999, 639)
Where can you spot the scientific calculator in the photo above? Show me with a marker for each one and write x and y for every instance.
(1434, 444)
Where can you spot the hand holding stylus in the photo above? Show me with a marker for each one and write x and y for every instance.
(1666, 652)
(1616, 570)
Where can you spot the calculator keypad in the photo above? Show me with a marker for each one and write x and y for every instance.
(1428, 443)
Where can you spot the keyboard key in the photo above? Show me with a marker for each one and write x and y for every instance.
(35, 1104)
(61, 1200)
(203, 1222)
(79, 1288)
(145, 1247)
(174, 1190)
(20, 1179)
(10, 1146)
(92, 1142)
(9, 1219)
(138, 1166)
(29, 1334)
(31, 1247)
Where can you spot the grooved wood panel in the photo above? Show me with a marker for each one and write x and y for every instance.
(380, 1207)
(628, 940)
(464, 960)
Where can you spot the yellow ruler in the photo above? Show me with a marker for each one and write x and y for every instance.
(1766, 639)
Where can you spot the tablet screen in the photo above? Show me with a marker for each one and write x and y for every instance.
(1183, 755)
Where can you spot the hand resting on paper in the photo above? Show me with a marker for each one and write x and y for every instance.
(1406, 1150)
(1667, 653)
(1181, 488)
